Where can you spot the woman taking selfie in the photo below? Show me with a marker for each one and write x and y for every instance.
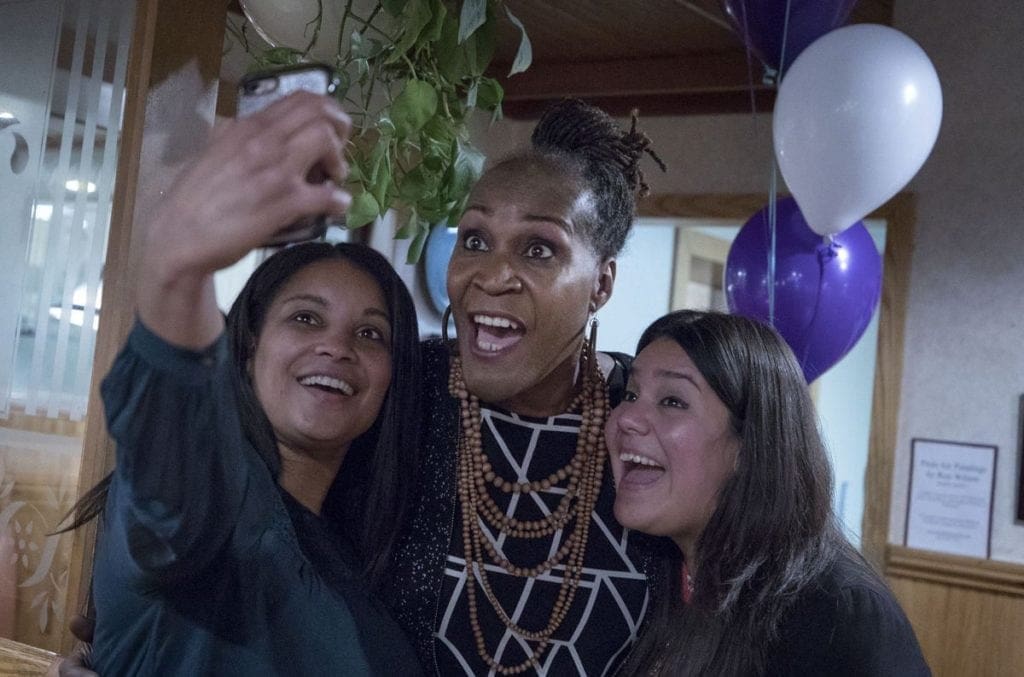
(715, 446)
(261, 471)
(513, 562)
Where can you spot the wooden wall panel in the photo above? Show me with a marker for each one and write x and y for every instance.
(900, 217)
(21, 659)
(968, 614)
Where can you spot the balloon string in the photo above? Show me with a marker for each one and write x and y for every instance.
(750, 69)
(826, 252)
(772, 191)
(773, 185)
(782, 54)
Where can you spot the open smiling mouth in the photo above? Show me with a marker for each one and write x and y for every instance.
(639, 470)
(328, 384)
(495, 334)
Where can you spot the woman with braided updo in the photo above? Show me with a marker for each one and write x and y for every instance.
(513, 562)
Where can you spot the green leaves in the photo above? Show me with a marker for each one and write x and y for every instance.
(393, 7)
(412, 72)
(363, 210)
(524, 55)
(279, 56)
(466, 168)
(414, 106)
(473, 16)
(415, 16)
(490, 94)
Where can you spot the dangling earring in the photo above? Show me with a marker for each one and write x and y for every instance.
(592, 343)
(445, 316)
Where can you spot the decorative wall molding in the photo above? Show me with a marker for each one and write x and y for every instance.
(966, 572)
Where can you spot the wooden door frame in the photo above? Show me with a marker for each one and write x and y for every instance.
(900, 217)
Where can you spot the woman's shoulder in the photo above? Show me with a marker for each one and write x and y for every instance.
(848, 622)
(851, 580)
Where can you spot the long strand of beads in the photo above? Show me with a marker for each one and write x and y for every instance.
(584, 473)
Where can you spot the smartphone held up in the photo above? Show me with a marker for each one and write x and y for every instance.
(256, 91)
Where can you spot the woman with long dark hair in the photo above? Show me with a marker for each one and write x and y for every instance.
(716, 447)
(262, 471)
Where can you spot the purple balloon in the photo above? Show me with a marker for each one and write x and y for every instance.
(761, 23)
(825, 291)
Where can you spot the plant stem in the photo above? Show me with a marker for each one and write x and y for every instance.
(340, 60)
(318, 20)
(369, 25)
(412, 68)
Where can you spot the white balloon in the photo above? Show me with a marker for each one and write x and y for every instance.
(856, 116)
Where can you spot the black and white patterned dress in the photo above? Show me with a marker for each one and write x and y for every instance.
(426, 590)
(610, 604)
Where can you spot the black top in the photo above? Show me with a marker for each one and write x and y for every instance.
(202, 565)
(612, 599)
(847, 623)
(420, 592)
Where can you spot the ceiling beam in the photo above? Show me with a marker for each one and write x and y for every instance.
(695, 103)
(678, 85)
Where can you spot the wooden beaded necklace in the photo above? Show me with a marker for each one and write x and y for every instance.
(583, 475)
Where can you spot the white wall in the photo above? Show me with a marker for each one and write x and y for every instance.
(963, 368)
(643, 287)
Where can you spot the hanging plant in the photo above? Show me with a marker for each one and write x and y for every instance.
(411, 73)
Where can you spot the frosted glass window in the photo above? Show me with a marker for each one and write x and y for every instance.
(62, 78)
(61, 101)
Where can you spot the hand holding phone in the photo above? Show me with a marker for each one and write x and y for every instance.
(259, 90)
(234, 196)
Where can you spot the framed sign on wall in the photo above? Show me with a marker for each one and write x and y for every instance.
(952, 485)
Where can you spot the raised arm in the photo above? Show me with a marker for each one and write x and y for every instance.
(247, 185)
(179, 481)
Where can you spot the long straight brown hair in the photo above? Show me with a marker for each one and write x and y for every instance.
(773, 530)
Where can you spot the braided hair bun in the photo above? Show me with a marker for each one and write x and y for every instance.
(607, 159)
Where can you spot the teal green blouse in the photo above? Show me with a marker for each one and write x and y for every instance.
(203, 565)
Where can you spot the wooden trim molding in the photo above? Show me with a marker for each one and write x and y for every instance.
(21, 659)
(669, 85)
(899, 215)
(732, 206)
(967, 572)
(967, 613)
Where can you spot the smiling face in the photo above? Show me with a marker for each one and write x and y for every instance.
(671, 445)
(322, 364)
(522, 281)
